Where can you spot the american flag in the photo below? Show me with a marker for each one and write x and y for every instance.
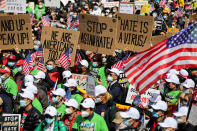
(147, 67)
(179, 12)
(119, 65)
(68, 20)
(32, 18)
(2, 4)
(78, 57)
(46, 21)
(26, 64)
(65, 59)
(74, 24)
(39, 52)
(41, 65)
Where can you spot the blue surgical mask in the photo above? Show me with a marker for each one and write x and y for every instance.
(23, 103)
(36, 47)
(126, 122)
(186, 91)
(95, 7)
(89, 12)
(48, 120)
(85, 7)
(11, 64)
(94, 64)
(49, 67)
(155, 114)
(19, 69)
(114, 11)
(104, 60)
(54, 99)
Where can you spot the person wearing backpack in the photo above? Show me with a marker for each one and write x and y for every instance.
(50, 123)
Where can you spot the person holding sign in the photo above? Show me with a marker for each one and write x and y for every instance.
(50, 123)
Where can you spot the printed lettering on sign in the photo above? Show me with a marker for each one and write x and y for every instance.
(11, 122)
(87, 126)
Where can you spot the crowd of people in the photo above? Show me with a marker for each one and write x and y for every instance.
(52, 99)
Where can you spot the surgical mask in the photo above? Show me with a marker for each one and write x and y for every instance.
(55, 99)
(165, 17)
(48, 120)
(74, 16)
(179, 121)
(172, 13)
(40, 6)
(154, 15)
(68, 111)
(61, 20)
(84, 114)
(89, 12)
(85, 7)
(173, 26)
(3, 77)
(186, 91)
(36, 47)
(19, 69)
(121, 126)
(109, 78)
(104, 60)
(35, 29)
(49, 67)
(22, 103)
(95, 7)
(98, 100)
(94, 64)
(102, 14)
(114, 11)
(155, 114)
(126, 122)
(11, 64)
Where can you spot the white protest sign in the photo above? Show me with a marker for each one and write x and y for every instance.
(131, 94)
(15, 6)
(11, 122)
(127, 8)
(111, 4)
(90, 89)
(81, 80)
(52, 3)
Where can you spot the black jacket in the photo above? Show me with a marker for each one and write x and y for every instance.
(184, 127)
(32, 118)
(115, 89)
(7, 103)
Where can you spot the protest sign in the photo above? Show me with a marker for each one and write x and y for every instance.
(15, 30)
(110, 4)
(81, 80)
(55, 41)
(134, 32)
(131, 94)
(15, 6)
(11, 122)
(90, 89)
(52, 3)
(193, 115)
(172, 30)
(2, 5)
(123, 80)
(127, 8)
(159, 24)
(145, 9)
(97, 33)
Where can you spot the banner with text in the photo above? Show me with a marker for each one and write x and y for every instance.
(134, 32)
(81, 80)
(55, 41)
(15, 6)
(97, 33)
(11, 122)
(15, 30)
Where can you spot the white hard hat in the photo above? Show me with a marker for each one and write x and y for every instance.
(72, 103)
(183, 73)
(88, 103)
(29, 79)
(132, 113)
(32, 88)
(59, 92)
(84, 63)
(39, 75)
(169, 122)
(50, 110)
(99, 89)
(72, 82)
(160, 105)
(66, 74)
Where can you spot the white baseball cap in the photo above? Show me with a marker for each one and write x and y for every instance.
(88, 103)
(84, 63)
(132, 113)
(66, 74)
(32, 88)
(40, 74)
(72, 103)
(99, 89)
(189, 83)
(173, 79)
(59, 92)
(29, 78)
(183, 73)
(115, 70)
(72, 82)
(160, 105)
(27, 94)
(182, 111)
(50, 110)
(169, 122)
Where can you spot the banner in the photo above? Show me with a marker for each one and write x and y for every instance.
(15, 30)
(81, 80)
(145, 9)
(11, 122)
(134, 32)
(55, 41)
(97, 33)
(90, 90)
(159, 24)
(15, 6)
(172, 30)
(127, 8)
(52, 3)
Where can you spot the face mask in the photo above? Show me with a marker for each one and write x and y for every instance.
(155, 114)
(173, 26)
(11, 64)
(165, 17)
(19, 69)
(98, 100)
(104, 60)
(121, 126)
(186, 91)
(68, 111)
(110, 16)
(94, 64)
(126, 122)
(40, 6)
(85, 7)
(23, 103)
(48, 120)
(71, 13)
(74, 16)
(172, 13)
(55, 99)
(84, 114)
(154, 15)
(3, 77)
(35, 29)
(49, 67)
(102, 14)
(109, 79)
(95, 7)
(61, 20)
(36, 47)
(89, 12)
(179, 120)
(114, 11)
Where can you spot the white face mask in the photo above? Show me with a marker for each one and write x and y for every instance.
(84, 114)
(173, 26)
(68, 111)
(109, 79)
(98, 100)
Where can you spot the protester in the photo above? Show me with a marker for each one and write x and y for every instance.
(169, 124)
